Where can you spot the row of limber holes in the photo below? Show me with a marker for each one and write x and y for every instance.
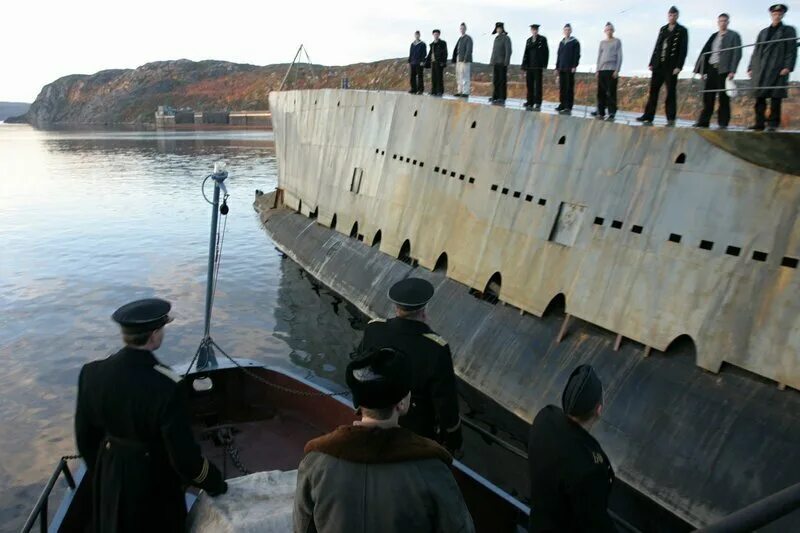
(789, 262)
(735, 251)
(421, 164)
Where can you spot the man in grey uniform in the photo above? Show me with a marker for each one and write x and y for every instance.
(717, 63)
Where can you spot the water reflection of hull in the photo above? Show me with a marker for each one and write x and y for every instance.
(700, 445)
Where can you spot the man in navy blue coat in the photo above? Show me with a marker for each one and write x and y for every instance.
(416, 60)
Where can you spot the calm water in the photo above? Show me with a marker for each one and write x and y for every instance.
(91, 220)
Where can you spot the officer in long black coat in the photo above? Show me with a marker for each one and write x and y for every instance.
(571, 475)
(132, 429)
(434, 397)
(774, 58)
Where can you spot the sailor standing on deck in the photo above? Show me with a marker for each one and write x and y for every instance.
(716, 67)
(571, 475)
(434, 398)
(534, 61)
(132, 430)
(462, 58)
(500, 59)
(569, 56)
(416, 61)
(609, 63)
(770, 66)
(437, 61)
(666, 63)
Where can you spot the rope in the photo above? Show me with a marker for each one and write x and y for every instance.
(218, 259)
(70, 457)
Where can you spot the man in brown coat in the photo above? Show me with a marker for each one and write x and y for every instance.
(375, 475)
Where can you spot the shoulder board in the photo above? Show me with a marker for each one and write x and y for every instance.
(377, 320)
(167, 372)
(435, 338)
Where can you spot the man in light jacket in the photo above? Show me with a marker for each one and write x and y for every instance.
(718, 62)
(609, 61)
(770, 66)
(534, 61)
(462, 57)
(376, 475)
(501, 58)
(569, 55)
(416, 61)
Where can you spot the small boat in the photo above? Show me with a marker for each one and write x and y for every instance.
(252, 418)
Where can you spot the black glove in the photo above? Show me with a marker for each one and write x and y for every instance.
(453, 440)
(218, 489)
(214, 484)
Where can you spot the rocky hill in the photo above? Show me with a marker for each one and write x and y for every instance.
(131, 96)
(12, 109)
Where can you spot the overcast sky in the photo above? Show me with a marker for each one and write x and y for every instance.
(44, 40)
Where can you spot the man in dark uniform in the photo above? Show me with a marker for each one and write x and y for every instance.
(434, 398)
(416, 61)
(571, 476)
(437, 61)
(666, 63)
(770, 66)
(534, 62)
(132, 429)
(567, 59)
(499, 60)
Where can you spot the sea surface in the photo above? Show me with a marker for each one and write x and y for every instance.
(90, 220)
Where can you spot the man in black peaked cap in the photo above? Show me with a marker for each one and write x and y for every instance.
(434, 398)
(376, 475)
(437, 61)
(534, 62)
(666, 62)
(132, 429)
(774, 58)
(571, 475)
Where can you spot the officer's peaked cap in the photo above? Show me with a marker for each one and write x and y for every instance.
(379, 379)
(411, 293)
(778, 7)
(142, 316)
(582, 393)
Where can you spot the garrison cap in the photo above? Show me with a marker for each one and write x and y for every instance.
(500, 25)
(379, 379)
(778, 7)
(535, 26)
(582, 393)
(142, 316)
(411, 293)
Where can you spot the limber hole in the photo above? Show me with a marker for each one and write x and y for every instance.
(436, 169)
(674, 237)
(789, 262)
(472, 180)
(394, 156)
(383, 152)
(599, 221)
(415, 113)
(421, 164)
(494, 187)
(637, 229)
(453, 174)
(473, 125)
(616, 224)
(504, 191)
(706, 245)
(528, 197)
(681, 159)
(377, 150)
(760, 256)
(517, 194)
(562, 140)
(733, 250)
(542, 201)
(461, 177)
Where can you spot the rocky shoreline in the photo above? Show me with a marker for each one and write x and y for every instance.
(129, 97)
